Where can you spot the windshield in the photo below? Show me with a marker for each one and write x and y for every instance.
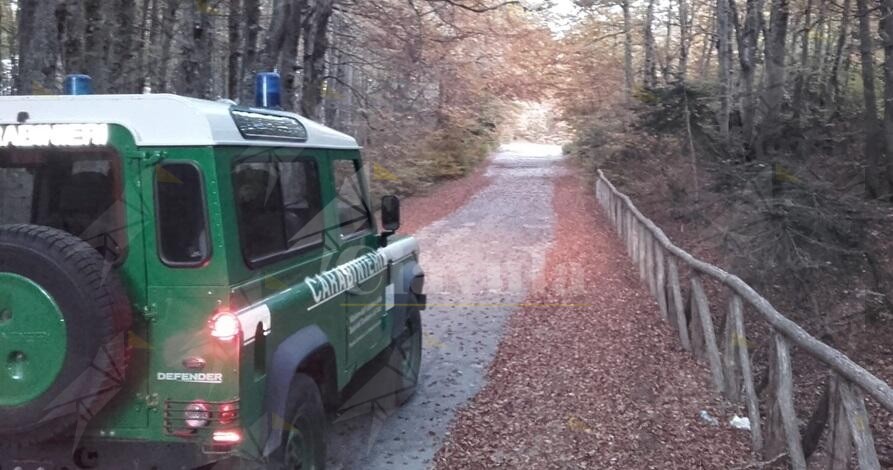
(78, 191)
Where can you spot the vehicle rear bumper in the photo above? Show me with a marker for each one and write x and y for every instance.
(112, 454)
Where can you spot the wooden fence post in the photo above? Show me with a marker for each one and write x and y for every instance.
(611, 209)
(678, 306)
(643, 233)
(840, 444)
(661, 280)
(712, 351)
(618, 218)
(750, 394)
(633, 236)
(617, 210)
(695, 331)
(625, 221)
(624, 226)
(784, 396)
(650, 264)
(860, 429)
(729, 354)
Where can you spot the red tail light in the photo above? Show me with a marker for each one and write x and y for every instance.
(225, 326)
(228, 413)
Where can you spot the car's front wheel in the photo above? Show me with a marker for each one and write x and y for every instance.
(406, 358)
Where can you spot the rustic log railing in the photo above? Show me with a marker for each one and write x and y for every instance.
(658, 261)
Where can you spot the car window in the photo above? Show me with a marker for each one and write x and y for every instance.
(279, 205)
(78, 191)
(353, 208)
(182, 220)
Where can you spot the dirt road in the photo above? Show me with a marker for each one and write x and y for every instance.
(542, 347)
(480, 262)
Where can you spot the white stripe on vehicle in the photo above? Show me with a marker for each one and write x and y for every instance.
(249, 319)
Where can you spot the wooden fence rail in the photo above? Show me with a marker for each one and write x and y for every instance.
(658, 261)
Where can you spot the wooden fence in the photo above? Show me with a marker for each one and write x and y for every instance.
(659, 260)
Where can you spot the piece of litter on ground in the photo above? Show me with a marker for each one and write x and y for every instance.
(705, 417)
(738, 422)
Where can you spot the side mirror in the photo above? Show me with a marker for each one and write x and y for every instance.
(390, 213)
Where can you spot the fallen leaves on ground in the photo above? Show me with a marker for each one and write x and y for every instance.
(423, 209)
(601, 383)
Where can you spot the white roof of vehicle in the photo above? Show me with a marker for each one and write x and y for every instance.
(161, 119)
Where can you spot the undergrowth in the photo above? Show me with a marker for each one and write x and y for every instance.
(408, 162)
(796, 221)
(795, 224)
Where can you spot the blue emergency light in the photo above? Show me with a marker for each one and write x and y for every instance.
(77, 84)
(266, 90)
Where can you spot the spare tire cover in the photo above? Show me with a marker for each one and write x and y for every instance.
(64, 318)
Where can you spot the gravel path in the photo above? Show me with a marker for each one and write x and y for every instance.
(586, 375)
(542, 348)
(480, 262)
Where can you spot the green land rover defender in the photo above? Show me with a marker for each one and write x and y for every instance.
(189, 283)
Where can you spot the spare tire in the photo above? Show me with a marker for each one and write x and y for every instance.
(64, 320)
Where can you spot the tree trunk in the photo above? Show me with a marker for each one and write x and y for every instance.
(803, 72)
(707, 50)
(819, 53)
(149, 9)
(234, 37)
(773, 95)
(316, 44)
(887, 24)
(38, 47)
(96, 43)
(11, 48)
(333, 102)
(275, 40)
(667, 67)
(747, 51)
(251, 10)
(168, 28)
(122, 73)
(874, 184)
(724, 54)
(25, 25)
(195, 76)
(73, 24)
(650, 70)
(289, 56)
(628, 79)
(832, 91)
(684, 38)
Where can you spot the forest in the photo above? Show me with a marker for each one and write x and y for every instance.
(757, 133)
(424, 86)
(759, 136)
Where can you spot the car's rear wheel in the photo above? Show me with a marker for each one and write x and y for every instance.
(304, 439)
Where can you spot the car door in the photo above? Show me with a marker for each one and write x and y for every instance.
(366, 322)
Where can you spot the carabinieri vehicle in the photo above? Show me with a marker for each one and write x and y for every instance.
(184, 282)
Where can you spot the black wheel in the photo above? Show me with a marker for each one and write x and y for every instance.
(64, 318)
(304, 439)
(406, 358)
